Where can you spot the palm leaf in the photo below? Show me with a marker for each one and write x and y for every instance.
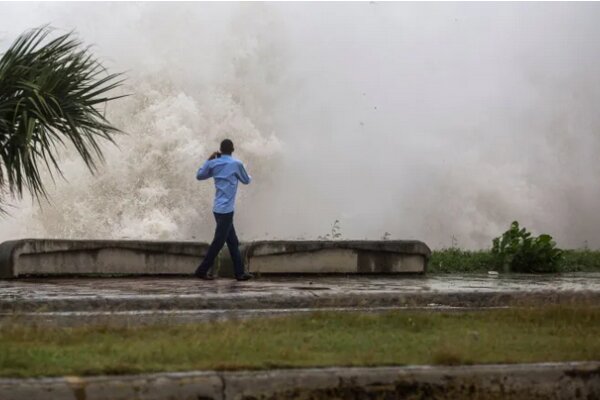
(49, 91)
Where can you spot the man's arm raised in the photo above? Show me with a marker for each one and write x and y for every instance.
(242, 175)
(204, 172)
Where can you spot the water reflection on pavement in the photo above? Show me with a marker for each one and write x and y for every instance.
(165, 287)
(150, 300)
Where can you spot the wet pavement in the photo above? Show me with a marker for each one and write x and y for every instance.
(185, 299)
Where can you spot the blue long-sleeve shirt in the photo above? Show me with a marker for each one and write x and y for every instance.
(227, 171)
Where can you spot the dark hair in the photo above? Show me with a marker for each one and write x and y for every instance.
(226, 146)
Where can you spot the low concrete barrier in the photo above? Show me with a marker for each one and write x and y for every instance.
(42, 257)
(98, 257)
(579, 380)
(330, 257)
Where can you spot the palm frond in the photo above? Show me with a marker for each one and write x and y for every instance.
(49, 94)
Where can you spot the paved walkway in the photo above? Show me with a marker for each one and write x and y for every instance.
(80, 288)
(188, 299)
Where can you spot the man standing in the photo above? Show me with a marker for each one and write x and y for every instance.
(227, 171)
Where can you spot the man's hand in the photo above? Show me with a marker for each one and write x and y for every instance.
(214, 155)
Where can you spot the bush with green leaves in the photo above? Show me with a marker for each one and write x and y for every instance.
(518, 251)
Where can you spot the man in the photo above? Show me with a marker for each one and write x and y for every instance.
(227, 171)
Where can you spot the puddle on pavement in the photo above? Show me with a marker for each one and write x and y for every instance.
(166, 287)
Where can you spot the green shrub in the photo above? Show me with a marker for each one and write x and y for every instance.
(578, 260)
(454, 260)
(518, 251)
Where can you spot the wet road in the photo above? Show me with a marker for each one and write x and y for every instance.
(157, 287)
(184, 299)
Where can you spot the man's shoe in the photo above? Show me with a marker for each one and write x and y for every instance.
(244, 277)
(205, 277)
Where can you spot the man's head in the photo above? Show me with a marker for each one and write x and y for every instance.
(226, 147)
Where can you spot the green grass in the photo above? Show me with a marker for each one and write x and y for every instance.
(580, 261)
(454, 260)
(321, 339)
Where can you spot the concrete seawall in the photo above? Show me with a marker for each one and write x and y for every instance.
(516, 382)
(346, 257)
(43, 257)
(31, 257)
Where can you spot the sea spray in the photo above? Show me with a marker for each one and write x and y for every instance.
(440, 122)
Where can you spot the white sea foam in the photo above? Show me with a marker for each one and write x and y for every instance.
(427, 121)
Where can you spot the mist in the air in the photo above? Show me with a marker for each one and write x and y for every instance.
(438, 122)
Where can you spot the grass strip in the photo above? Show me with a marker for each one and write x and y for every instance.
(455, 260)
(321, 339)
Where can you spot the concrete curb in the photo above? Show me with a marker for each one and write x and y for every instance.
(201, 301)
(513, 381)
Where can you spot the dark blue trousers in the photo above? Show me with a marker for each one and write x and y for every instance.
(224, 233)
